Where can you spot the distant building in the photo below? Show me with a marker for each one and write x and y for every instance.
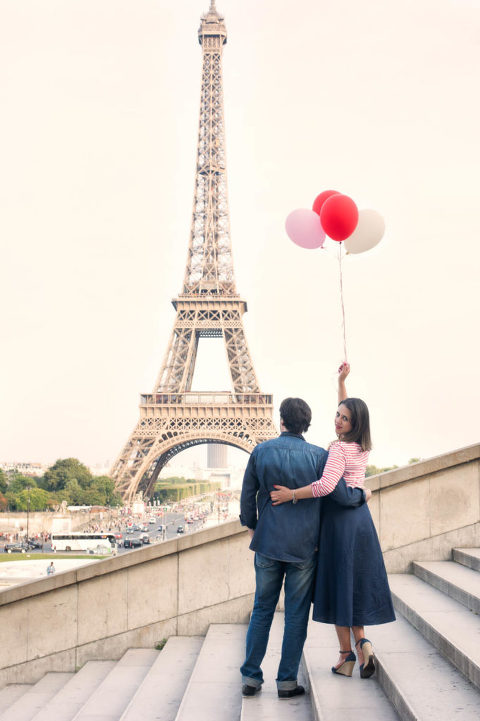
(222, 477)
(217, 455)
(25, 468)
(193, 472)
(100, 469)
(230, 476)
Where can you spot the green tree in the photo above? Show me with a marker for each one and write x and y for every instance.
(173, 479)
(106, 486)
(414, 460)
(373, 470)
(34, 499)
(72, 482)
(175, 489)
(73, 493)
(19, 482)
(63, 471)
(93, 497)
(11, 501)
(3, 481)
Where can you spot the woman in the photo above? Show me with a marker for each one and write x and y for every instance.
(351, 588)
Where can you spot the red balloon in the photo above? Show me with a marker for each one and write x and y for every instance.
(339, 217)
(320, 199)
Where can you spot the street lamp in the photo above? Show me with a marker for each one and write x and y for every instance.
(28, 509)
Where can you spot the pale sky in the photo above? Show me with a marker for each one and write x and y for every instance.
(99, 104)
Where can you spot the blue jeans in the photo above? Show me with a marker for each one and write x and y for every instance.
(298, 596)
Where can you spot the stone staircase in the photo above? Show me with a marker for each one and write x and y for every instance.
(428, 668)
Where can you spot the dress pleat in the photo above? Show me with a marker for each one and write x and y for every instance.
(351, 587)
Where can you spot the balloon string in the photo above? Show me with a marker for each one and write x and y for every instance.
(341, 298)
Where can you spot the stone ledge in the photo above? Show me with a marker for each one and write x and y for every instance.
(434, 548)
(424, 468)
(125, 561)
(113, 647)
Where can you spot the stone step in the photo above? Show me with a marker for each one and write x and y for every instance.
(161, 691)
(458, 582)
(266, 705)
(111, 697)
(11, 693)
(75, 693)
(335, 697)
(214, 692)
(38, 695)
(469, 557)
(419, 682)
(446, 624)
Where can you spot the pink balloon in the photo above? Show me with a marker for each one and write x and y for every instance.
(304, 228)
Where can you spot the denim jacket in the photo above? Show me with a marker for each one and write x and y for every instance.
(287, 532)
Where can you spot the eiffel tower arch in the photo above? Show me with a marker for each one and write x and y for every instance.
(174, 417)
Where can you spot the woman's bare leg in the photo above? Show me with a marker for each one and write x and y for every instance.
(344, 641)
(358, 634)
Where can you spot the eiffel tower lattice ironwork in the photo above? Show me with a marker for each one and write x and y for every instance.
(173, 417)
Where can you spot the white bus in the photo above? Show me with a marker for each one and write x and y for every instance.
(78, 541)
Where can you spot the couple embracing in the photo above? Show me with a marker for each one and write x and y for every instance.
(310, 526)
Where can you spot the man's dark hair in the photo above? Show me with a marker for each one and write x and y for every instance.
(296, 415)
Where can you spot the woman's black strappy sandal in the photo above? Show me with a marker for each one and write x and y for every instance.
(346, 667)
(367, 668)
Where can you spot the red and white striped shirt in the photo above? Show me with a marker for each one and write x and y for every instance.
(344, 459)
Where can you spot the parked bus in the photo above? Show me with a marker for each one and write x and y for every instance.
(78, 541)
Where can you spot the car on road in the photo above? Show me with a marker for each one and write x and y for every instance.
(34, 543)
(15, 547)
(146, 538)
(132, 542)
(180, 529)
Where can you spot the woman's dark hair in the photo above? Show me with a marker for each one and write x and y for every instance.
(360, 421)
(296, 415)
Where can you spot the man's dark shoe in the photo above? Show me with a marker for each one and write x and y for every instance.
(291, 692)
(250, 690)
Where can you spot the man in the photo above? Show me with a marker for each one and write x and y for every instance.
(284, 539)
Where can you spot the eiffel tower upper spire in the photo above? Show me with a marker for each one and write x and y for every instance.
(209, 268)
(212, 10)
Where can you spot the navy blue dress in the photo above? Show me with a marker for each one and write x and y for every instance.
(351, 586)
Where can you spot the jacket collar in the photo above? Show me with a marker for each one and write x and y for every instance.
(294, 435)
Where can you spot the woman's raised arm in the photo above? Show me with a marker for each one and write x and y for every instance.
(343, 372)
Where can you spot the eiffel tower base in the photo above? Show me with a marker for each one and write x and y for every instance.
(171, 423)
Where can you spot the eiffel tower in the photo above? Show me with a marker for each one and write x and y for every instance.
(174, 417)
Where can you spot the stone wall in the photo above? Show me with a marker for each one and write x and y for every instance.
(100, 610)
(423, 510)
(181, 586)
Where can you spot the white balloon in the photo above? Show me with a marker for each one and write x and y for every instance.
(369, 232)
